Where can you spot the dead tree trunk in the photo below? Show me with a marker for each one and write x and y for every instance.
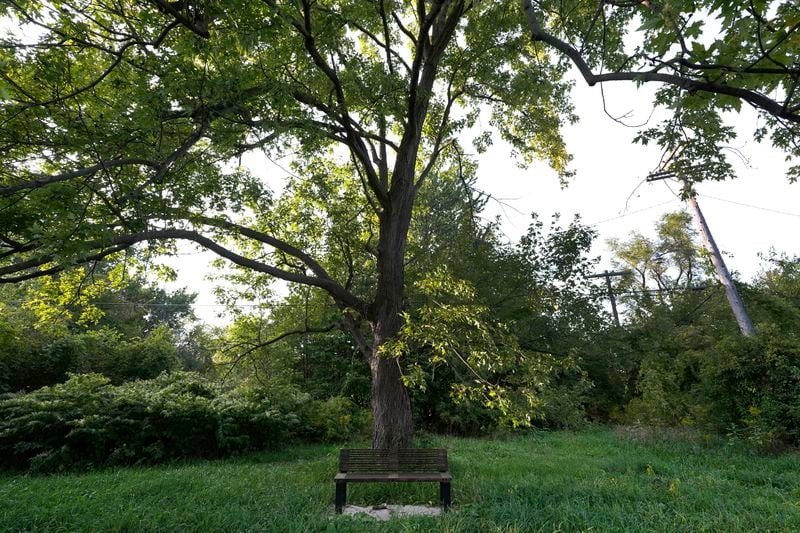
(735, 301)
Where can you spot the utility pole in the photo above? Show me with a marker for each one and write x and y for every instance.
(606, 274)
(734, 300)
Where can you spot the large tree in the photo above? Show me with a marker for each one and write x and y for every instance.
(124, 122)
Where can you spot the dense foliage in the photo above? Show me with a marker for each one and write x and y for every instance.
(26, 366)
(99, 321)
(681, 357)
(124, 123)
(88, 421)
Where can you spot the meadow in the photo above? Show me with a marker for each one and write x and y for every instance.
(598, 479)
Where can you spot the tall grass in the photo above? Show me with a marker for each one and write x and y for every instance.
(597, 479)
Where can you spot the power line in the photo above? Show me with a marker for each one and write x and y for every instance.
(668, 290)
(752, 206)
(632, 212)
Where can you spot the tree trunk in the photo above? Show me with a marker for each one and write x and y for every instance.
(391, 407)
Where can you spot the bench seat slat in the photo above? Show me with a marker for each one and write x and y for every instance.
(394, 476)
(367, 468)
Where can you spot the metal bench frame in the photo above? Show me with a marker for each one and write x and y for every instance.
(366, 465)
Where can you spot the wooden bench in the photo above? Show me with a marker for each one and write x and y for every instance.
(359, 465)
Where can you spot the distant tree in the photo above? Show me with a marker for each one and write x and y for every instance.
(673, 260)
(781, 277)
(95, 321)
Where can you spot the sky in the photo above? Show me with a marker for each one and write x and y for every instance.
(757, 210)
(747, 216)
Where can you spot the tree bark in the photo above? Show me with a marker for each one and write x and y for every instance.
(392, 426)
(391, 406)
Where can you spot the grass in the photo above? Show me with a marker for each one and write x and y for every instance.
(598, 479)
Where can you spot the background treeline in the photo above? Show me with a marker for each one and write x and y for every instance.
(101, 366)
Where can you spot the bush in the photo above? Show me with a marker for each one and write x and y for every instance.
(30, 360)
(108, 352)
(755, 386)
(338, 419)
(88, 421)
(465, 418)
(749, 387)
(26, 364)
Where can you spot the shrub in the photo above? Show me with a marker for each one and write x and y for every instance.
(466, 418)
(338, 419)
(749, 387)
(88, 421)
(56, 426)
(755, 386)
(563, 404)
(108, 352)
(30, 360)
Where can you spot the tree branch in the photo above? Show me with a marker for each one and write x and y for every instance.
(198, 24)
(179, 152)
(273, 340)
(120, 242)
(42, 181)
(356, 144)
(39, 261)
(754, 98)
(440, 134)
(276, 243)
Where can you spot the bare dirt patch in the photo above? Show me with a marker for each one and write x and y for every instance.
(387, 512)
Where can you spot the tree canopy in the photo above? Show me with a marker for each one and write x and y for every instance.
(124, 123)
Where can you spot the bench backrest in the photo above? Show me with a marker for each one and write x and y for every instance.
(367, 460)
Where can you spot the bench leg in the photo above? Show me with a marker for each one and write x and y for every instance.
(444, 494)
(341, 496)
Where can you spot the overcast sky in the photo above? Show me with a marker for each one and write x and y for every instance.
(609, 191)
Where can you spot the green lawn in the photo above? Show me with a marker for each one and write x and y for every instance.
(596, 479)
